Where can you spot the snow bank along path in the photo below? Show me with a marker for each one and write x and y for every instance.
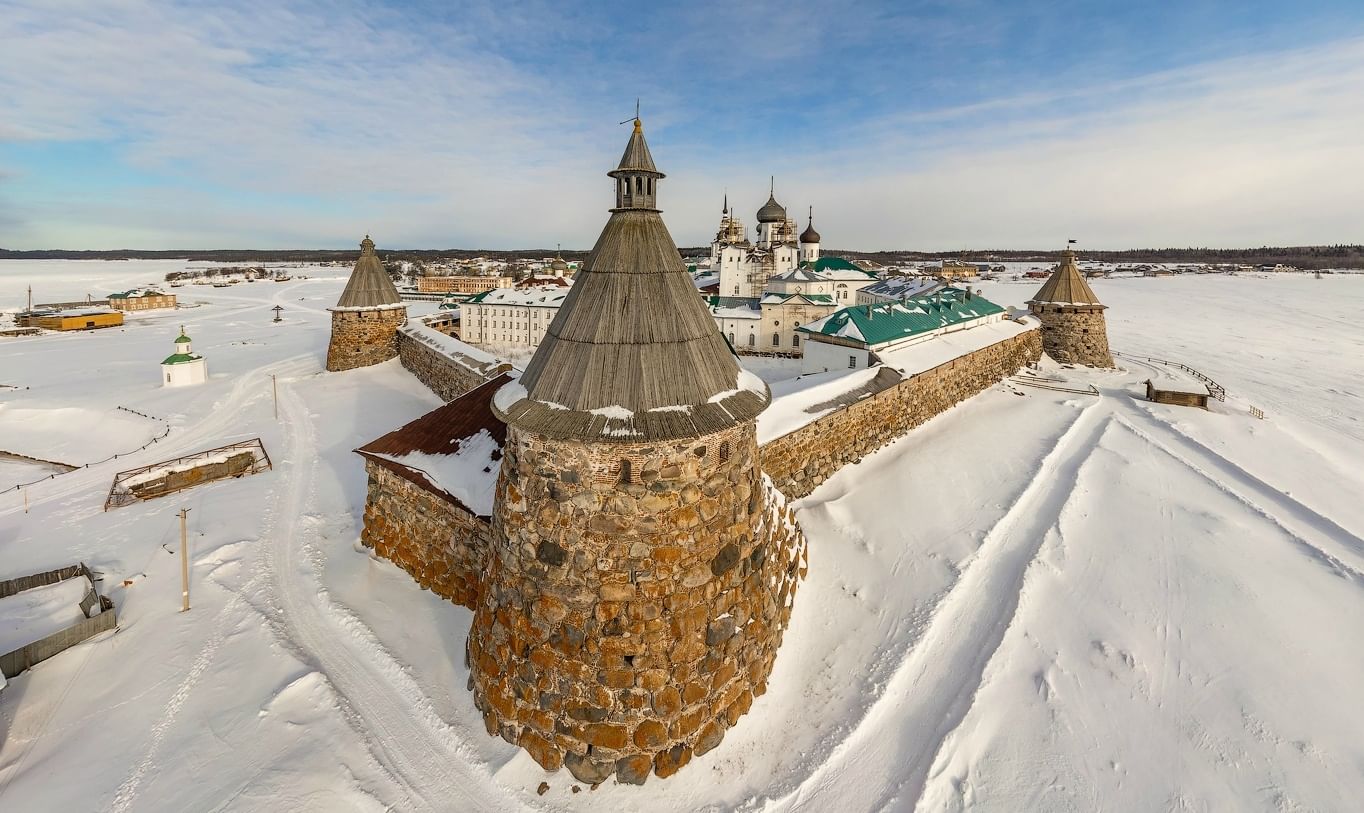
(395, 718)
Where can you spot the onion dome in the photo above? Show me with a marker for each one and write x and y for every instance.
(810, 235)
(772, 212)
(558, 264)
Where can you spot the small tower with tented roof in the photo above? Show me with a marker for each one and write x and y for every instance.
(366, 318)
(1073, 326)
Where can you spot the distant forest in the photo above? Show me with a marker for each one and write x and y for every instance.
(1306, 257)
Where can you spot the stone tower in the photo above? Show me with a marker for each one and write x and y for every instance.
(642, 568)
(1073, 329)
(366, 318)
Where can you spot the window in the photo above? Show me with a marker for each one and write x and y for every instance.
(776, 340)
(795, 341)
(752, 340)
(852, 362)
(625, 472)
(731, 337)
(724, 451)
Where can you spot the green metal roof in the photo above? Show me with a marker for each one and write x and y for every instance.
(890, 321)
(834, 264)
(181, 338)
(181, 358)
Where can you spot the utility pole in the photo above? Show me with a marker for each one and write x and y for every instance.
(184, 561)
(274, 392)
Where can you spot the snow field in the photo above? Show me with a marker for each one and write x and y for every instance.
(1035, 601)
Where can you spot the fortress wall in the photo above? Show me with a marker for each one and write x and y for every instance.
(441, 546)
(627, 621)
(440, 366)
(800, 461)
(363, 337)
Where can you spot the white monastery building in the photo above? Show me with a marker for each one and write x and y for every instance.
(517, 316)
(184, 367)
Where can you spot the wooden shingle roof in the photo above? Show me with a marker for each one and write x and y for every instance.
(1066, 286)
(633, 354)
(369, 285)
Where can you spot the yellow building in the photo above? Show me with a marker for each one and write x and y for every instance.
(74, 320)
(141, 299)
(455, 284)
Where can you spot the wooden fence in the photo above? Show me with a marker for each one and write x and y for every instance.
(182, 472)
(1216, 390)
(16, 661)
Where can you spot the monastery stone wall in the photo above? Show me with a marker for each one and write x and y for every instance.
(364, 337)
(448, 376)
(634, 602)
(440, 546)
(800, 461)
(1074, 335)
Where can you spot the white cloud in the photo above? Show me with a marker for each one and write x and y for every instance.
(307, 127)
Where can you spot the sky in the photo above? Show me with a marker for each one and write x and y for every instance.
(907, 125)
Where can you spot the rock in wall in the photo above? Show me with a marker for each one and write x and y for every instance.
(634, 600)
(800, 461)
(365, 337)
(1073, 335)
(441, 546)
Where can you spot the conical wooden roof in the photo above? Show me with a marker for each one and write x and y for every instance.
(1066, 286)
(636, 157)
(369, 285)
(633, 355)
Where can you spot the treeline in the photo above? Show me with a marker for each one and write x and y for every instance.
(1306, 257)
(286, 255)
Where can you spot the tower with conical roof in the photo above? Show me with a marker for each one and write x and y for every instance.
(642, 569)
(1073, 326)
(366, 318)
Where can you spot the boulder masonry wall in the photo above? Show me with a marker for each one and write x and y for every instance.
(363, 337)
(634, 601)
(1074, 334)
(800, 461)
(448, 374)
(442, 547)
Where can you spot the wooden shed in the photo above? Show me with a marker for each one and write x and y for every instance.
(1177, 392)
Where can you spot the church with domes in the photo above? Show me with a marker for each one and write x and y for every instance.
(743, 267)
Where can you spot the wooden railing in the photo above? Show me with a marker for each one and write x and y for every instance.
(1216, 390)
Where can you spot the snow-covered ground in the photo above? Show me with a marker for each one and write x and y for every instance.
(1038, 601)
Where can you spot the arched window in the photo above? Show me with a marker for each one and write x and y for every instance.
(795, 341)
(752, 340)
(776, 340)
(625, 472)
(731, 337)
(724, 451)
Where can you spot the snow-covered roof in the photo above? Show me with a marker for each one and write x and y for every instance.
(452, 451)
(880, 324)
(534, 296)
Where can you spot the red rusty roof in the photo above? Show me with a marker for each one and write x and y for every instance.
(433, 433)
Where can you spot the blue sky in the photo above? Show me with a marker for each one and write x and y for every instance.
(906, 125)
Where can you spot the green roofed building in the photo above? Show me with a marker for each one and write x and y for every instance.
(855, 337)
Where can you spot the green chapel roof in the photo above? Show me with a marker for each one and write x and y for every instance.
(181, 358)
